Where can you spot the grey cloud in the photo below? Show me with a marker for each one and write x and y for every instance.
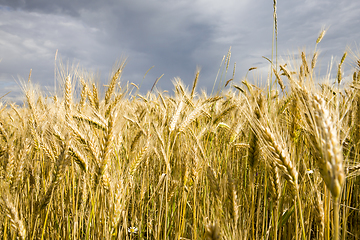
(175, 36)
(67, 7)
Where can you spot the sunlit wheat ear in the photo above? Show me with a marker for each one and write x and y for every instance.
(314, 59)
(91, 121)
(106, 150)
(223, 113)
(254, 151)
(195, 82)
(112, 83)
(301, 73)
(136, 139)
(83, 96)
(198, 165)
(339, 72)
(233, 199)
(13, 215)
(31, 104)
(95, 95)
(191, 117)
(286, 72)
(280, 156)
(320, 216)
(275, 183)
(18, 174)
(331, 166)
(163, 100)
(321, 35)
(119, 201)
(68, 98)
(275, 18)
(57, 176)
(137, 160)
(113, 104)
(18, 114)
(78, 157)
(254, 147)
(176, 116)
(214, 184)
(305, 64)
(279, 80)
(90, 96)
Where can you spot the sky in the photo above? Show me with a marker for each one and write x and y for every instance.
(174, 37)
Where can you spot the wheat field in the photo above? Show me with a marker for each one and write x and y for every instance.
(278, 162)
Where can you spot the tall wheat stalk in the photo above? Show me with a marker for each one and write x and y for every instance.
(331, 165)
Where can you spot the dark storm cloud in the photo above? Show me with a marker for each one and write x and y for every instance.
(68, 7)
(175, 36)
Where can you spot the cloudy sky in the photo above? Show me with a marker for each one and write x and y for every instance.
(174, 36)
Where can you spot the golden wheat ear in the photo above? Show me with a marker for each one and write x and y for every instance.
(12, 213)
(331, 165)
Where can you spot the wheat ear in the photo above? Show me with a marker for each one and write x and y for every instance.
(112, 84)
(190, 118)
(138, 159)
(176, 116)
(281, 156)
(233, 199)
(331, 165)
(83, 95)
(314, 59)
(339, 73)
(14, 217)
(305, 64)
(319, 208)
(68, 98)
(195, 82)
(95, 95)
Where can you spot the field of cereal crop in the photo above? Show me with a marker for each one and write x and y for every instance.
(279, 162)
